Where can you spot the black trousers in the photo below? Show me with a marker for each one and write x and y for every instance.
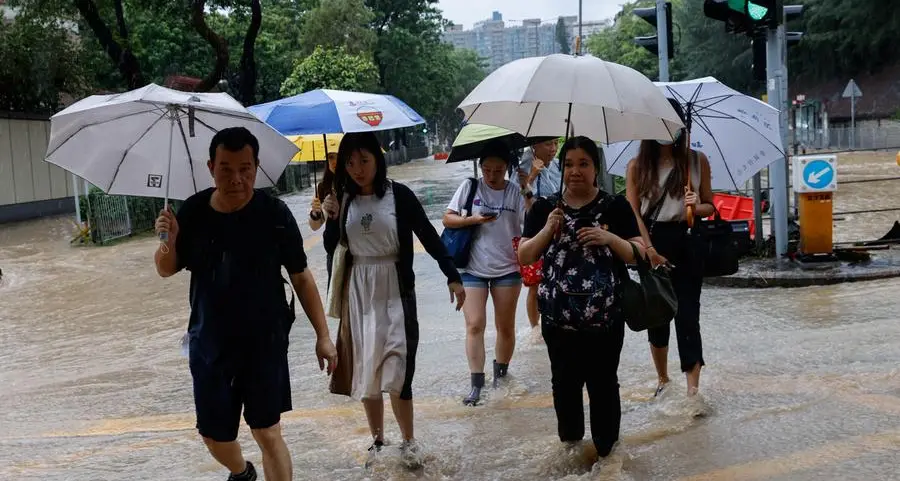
(671, 241)
(579, 358)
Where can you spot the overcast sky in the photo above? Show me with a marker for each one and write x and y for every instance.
(467, 12)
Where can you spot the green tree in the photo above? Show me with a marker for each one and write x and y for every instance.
(616, 43)
(562, 36)
(409, 54)
(705, 49)
(465, 69)
(39, 61)
(339, 23)
(331, 69)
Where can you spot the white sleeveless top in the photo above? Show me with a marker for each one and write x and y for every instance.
(672, 209)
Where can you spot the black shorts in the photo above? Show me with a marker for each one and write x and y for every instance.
(257, 382)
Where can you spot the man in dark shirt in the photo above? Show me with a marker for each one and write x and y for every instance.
(234, 240)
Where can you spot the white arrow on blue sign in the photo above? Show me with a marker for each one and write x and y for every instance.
(818, 174)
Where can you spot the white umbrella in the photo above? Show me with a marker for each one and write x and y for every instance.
(542, 96)
(739, 134)
(154, 141)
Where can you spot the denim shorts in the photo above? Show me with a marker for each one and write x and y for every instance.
(509, 280)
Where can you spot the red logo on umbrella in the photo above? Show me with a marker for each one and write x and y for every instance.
(370, 116)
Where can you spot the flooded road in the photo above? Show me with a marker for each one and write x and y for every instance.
(801, 384)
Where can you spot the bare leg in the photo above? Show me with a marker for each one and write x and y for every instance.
(661, 361)
(375, 416)
(474, 312)
(228, 454)
(275, 455)
(403, 412)
(693, 379)
(531, 305)
(505, 301)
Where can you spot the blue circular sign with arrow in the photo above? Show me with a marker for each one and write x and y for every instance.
(818, 175)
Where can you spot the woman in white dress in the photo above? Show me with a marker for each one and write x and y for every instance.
(377, 218)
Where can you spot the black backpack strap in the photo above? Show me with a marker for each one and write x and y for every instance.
(470, 199)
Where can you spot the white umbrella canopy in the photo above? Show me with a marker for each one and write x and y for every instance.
(154, 141)
(542, 96)
(739, 134)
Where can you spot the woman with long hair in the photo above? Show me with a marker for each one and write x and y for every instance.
(584, 238)
(317, 217)
(377, 218)
(662, 183)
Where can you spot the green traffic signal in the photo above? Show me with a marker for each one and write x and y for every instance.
(754, 11)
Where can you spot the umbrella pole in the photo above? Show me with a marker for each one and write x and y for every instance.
(562, 162)
(164, 236)
(687, 153)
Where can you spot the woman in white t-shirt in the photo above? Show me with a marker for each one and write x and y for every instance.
(498, 212)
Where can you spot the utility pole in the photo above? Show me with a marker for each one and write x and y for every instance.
(778, 170)
(662, 40)
(579, 29)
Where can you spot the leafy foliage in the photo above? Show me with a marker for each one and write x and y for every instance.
(332, 68)
(839, 40)
(338, 23)
(39, 60)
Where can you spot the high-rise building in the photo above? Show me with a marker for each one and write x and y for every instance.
(499, 43)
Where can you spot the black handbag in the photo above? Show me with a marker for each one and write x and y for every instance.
(651, 302)
(714, 250)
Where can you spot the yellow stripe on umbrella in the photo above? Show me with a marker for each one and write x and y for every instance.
(313, 147)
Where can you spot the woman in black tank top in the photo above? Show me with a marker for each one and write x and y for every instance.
(667, 241)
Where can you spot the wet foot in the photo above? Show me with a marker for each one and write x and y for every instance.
(410, 454)
(660, 388)
(374, 451)
(698, 406)
(249, 474)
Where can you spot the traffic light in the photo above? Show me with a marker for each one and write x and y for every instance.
(732, 12)
(651, 43)
(758, 46)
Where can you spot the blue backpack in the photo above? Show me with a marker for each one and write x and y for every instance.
(580, 287)
(459, 241)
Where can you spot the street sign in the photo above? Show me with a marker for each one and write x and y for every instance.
(815, 173)
(801, 98)
(851, 90)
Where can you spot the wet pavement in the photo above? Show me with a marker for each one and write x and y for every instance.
(800, 384)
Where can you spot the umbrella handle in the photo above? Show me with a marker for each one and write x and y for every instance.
(688, 188)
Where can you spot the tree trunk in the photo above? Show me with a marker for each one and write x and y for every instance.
(121, 55)
(248, 59)
(198, 19)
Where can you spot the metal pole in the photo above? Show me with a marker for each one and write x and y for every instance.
(852, 120)
(77, 200)
(778, 169)
(662, 40)
(757, 209)
(578, 52)
(785, 109)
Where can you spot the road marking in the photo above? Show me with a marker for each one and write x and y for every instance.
(806, 459)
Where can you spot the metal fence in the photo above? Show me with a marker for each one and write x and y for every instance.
(867, 137)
